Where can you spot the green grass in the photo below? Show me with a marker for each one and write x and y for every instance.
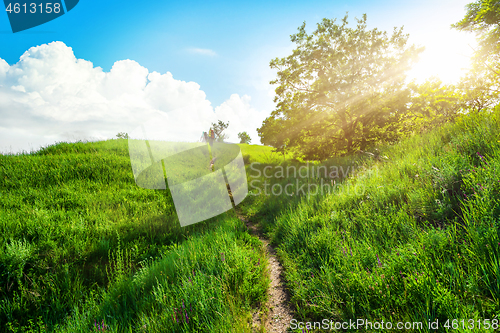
(81, 242)
(410, 238)
(262, 154)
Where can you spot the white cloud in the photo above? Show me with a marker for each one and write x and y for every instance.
(241, 117)
(206, 52)
(4, 66)
(50, 95)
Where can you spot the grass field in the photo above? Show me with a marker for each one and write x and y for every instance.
(82, 243)
(411, 236)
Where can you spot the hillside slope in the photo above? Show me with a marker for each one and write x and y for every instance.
(81, 245)
(412, 236)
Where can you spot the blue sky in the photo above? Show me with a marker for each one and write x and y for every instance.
(225, 47)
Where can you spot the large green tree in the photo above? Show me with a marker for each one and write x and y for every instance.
(479, 89)
(483, 18)
(481, 86)
(341, 89)
(433, 104)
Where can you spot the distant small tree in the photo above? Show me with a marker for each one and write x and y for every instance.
(122, 135)
(244, 137)
(219, 128)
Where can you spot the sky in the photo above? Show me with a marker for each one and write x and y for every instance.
(107, 66)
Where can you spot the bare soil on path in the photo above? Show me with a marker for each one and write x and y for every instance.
(280, 313)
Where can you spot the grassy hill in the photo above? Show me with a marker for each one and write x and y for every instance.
(411, 235)
(80, 242)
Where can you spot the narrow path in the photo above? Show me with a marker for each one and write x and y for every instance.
(279, 313)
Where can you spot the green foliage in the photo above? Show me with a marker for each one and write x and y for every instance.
(203, 284)
(411, 235)
(122, 135)
(479, 90)
(77, 234)
(244, 137)
(261, 154)
(341, 89)
(418, 240)
(219, 129)
(483, 17)
(15, 256)
(433, 104)
(481, 85)
(120, 264)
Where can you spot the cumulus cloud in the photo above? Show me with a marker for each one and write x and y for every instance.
(206, 52)
(50, 95)
(241, 117)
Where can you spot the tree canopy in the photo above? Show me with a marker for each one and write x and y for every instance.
(483, 17)
(481, 85)
(219, 128)
(432, 104)
(341, 89)
(244, 137)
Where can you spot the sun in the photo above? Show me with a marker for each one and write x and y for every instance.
(446, 56)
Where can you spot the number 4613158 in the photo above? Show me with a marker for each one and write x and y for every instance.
(34, 8)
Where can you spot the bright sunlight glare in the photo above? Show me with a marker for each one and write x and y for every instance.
(446, 56)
